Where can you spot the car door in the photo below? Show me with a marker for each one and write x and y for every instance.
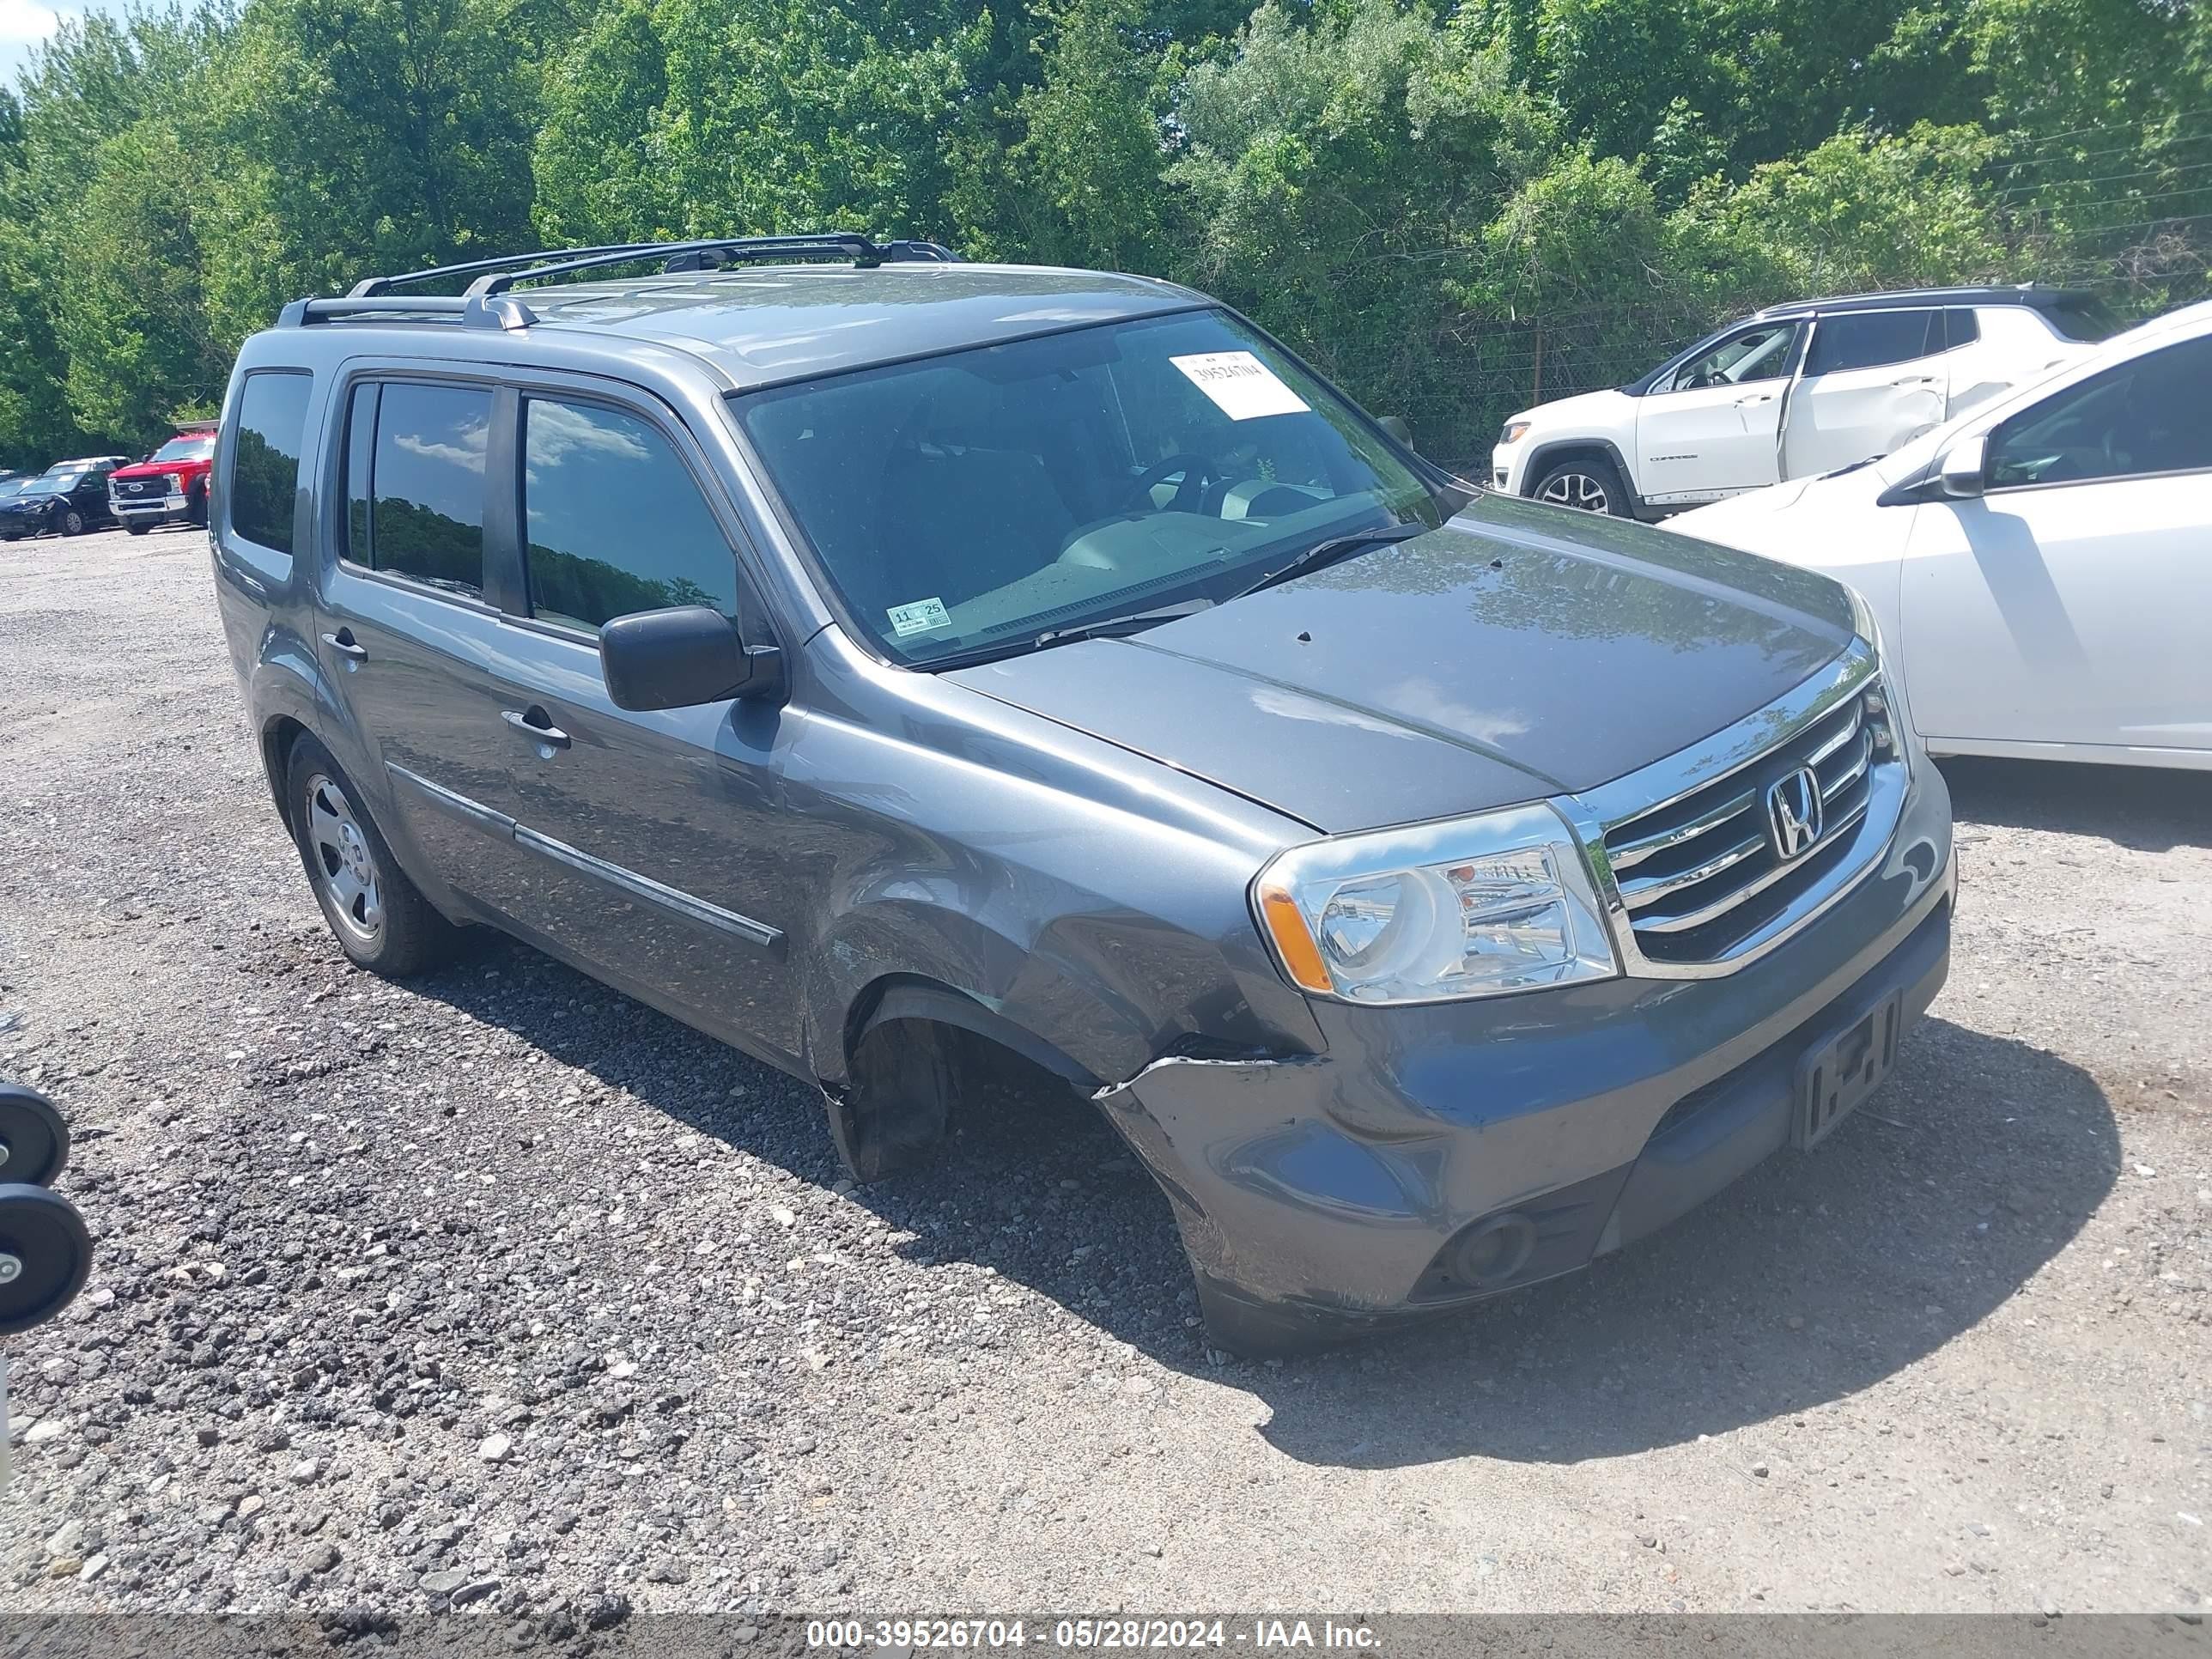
(1707, 430)
(661, 857)
(1872, 379)
(2066, 603)
(408, 621)
(91, 494)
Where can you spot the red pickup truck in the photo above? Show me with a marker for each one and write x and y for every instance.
(170, 486)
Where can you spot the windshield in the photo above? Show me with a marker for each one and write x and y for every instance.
(188, 447)
(55, 484)
(968, 503)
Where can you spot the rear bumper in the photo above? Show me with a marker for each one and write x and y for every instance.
(1330, 1190)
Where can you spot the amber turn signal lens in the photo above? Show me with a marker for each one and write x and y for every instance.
(1294, 940)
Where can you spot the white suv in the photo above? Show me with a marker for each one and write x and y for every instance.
(1798, 389)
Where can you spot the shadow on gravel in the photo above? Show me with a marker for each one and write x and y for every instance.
(1029, 1176)
(2149, 809)
(1815, 1277)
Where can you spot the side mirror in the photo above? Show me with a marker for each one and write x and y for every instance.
(1962, 471)
(1397, 427)
(680, 658)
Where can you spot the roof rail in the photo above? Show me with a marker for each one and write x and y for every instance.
(370, 286)
(712, 253)
(471, 311)
(681, 256)
(488, 305)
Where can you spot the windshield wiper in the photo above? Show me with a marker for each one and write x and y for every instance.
(1335, 548)
(1114, 627)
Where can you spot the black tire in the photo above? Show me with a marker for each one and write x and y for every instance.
(136, 526)
(383, 923)
(196, 510)
(72, 522)
(34, 1138)
(1589, 483)
(46, 1240)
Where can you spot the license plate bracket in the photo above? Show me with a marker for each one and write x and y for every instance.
(1841, 1071)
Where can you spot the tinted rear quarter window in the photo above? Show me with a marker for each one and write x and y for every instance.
(1869, 339)
(264, 467)
(2078, 317)
(426, 509)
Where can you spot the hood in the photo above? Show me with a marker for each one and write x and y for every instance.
(1604, 406)
(158, 470)
(1520, 650)
(1754, 521)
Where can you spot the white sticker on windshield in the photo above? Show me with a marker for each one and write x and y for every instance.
(1240, 383)
(918, 617)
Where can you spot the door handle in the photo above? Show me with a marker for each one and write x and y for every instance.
(1915, 379)
(535, 724)
(343, 642)
(1759, 398)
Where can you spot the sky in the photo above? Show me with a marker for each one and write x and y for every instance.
(24, 23)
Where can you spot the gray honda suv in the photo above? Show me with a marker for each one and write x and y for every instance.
(904, 669)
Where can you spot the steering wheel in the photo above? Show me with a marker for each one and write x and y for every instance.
(1190, 494)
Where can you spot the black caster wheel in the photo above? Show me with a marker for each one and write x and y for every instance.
(46, 1255)
(34, 1141)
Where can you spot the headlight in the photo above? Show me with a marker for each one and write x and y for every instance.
(1863, 622)
(1469, 907)
(1515, 432)
(1887, 710)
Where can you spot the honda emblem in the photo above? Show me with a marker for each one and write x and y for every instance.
(1792, 813)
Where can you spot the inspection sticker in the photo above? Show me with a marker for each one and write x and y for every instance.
(1240, 383)
(918, 617)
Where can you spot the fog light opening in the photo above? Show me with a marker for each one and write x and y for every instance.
(1492, 1253)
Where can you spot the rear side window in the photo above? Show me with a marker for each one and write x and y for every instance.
(265, 466)
(1869, 339)
(415, 482)
(2078, 317)
(615, 521)
(1961, 327)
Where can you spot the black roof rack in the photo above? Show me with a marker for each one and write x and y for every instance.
(487, 304)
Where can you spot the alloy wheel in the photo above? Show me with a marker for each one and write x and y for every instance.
(1575, 489)
(345, 863)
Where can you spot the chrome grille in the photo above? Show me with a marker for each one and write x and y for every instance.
(1705, 872)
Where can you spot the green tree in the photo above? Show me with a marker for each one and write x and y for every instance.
(1861, 211)
(1338, 176)
(1084, 185)
(129, 315)
(360, 135)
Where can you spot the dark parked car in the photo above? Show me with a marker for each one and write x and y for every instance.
(898, 667)
(68, 498)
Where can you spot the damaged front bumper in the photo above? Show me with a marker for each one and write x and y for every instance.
(1320, 1193)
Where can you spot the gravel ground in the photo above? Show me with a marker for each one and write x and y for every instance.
(499, 1290)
